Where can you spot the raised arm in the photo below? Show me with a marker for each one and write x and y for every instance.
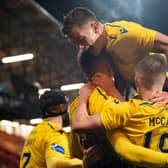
(82, 122)
(161, 43)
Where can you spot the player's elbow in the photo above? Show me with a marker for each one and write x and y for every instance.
(77, 127)
(80, 127)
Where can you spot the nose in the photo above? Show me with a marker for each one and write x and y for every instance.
(81, 46)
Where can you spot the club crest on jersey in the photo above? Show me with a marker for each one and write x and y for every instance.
(115, 101)
(57, 148)
(122, 31)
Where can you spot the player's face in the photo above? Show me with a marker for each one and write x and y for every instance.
(103, 79)
(85, 36)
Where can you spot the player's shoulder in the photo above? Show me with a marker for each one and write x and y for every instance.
(140, 102)
(137, 102)
(38, 130)
(48, 127)
(99, 92)
(120, 28)
(139, 105)
(122, 24)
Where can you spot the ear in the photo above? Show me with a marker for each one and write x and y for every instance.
(62, 107)
(137, 82)
(95, 26)
(96, 77)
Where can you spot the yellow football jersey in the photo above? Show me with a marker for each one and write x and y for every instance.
(75, 144)
(97, 102)
(143, 122)
(78, 142)
(128, 42)
(45, 140)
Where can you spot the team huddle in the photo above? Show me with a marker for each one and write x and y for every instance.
(110, 128)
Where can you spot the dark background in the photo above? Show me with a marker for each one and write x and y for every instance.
(29, 26)
(151, 13)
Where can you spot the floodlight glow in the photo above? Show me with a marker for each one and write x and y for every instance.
(36, 120)
(67, 129)
(71, 86)
(41, 91)
(17, 58)
(6, 123)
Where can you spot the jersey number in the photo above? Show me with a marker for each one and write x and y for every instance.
(27, 156)
(163, 137)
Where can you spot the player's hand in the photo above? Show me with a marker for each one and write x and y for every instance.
(85, 91)
(161, 97)
(92, 155)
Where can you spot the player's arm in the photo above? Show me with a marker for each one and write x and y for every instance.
(75, 145)
(161, 97)
(82, 122)
(113, 116)
(136, 154)
(54, 162)
(153, 40)
(161, 43)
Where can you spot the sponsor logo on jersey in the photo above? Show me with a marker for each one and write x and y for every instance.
(57, 148)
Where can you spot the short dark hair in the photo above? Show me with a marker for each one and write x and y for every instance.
(90, 64)
(49, 99)
(77, 17)
(152, 70)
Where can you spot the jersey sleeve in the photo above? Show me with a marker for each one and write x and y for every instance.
(115, 114)
(145, 36)
(54, 162)
(55, 145)
(136, 154)
(140, 36)
(75, 145)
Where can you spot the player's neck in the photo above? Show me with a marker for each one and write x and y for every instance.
(57, 120)
(101, 41)
(103, 36)
(148, 94)
(113, 91)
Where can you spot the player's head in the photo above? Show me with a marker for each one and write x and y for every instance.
(53, 103)
(150, 72)
(82, 27)
(96, 68)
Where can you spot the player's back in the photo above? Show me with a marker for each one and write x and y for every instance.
(45, 140)
(148, 125)
(128, 42)
(33, 150)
